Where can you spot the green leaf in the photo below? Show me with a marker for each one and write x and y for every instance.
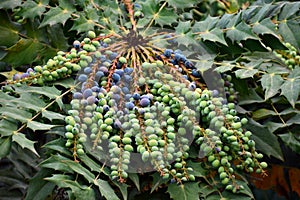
(57, 162)
(214, 35)
(240, 32)
(291, 141)
(34, 125)
(181, 4)
(106, 190)
(123, 188)
(93, 165)
(207, 190)
(15, 113)
(75, 166)
(271, 84)
(262, 113)
(291, 89)
(185, 191)
(266, 26)
(246, 73)
(82, 24)
(225, 66)
(52, 115)
(157, 181)
(289, 9)
(56, 15)
(26, 50)
(24, 142)
(57, 37)
(266, 141)
(50, 92)
(10, 4)
(135, 179)
(9, 30)
(31, 9)
(5, 146)
(289, 30)
(39, 189)
(8, 127)
(58, 145)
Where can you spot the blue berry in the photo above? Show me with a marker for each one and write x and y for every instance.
(136, 96)
(127, 78)
(95, 89)
(87, 70)
(91, 100)
(144, 102)
(128, 96)
(120, 72)
(82, 78)
(125, 90)
(76, 44)
(129, 105)
(103, 69)
(99, 74)
(88, 92)
(113, 56)
(128, 70)
(168, 53)
(195, 73)
(16, 77)
(192, 86)
(77, 95)
(116, 77)
(24, 75)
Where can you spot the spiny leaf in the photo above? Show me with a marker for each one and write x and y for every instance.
(34, 125)
(289, 31)
(182, 4)
(31, 9)
(291, 89)
(262, 13)
(5, 146)
(240, 32)
(57, 162)
(266, 141)
(289, 9)
(26, 50)
(157, 181)
(7, 127)
(271, 84)
(246, 73)
(56, 15)
(9, 30)
(291, 141)
(135, 179)
(185, 191)
(82, 24)
(106, 190)
(10, 4)
(266, 26)
(123, 188)
(262, 113)
(24, 142)
(15, 113)
(52, 115)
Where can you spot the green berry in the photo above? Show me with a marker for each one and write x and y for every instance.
(91, 34)
(80, 151)
(216, 163)
(263, 164)
(152, 143)
(69, 135)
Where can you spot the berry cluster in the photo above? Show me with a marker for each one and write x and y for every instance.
(140, 108)
(290, 57)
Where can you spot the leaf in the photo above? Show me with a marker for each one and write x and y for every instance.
(24, 142)
(31, 9)
(76, 167)
(262, 113)
(56, 162)
(15, 113)
(214, 35)
(271, 84)
(288, 10)
(82, 24)
(26, 50)
(157, 181)
(246, 73)
(50, 92)
(7, 127)
(182, 4)
(289, 30)
(225, 66)
(240, 32)
(291, 89)
(33, 125)
(5, 146)
(291, 141)
(10, 4)
(123, 188)
(266, 26)
(185, 191)
(52, 115)
(9, 30)
(56, 15)
(93, 165)
(135, 179)
(38, 188)
(265, 141)
(58, 145)
(106, 190)
(57, 37)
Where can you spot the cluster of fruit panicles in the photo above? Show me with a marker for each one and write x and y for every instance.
(290, 57)
(141, 108)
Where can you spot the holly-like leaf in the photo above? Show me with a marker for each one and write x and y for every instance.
(106, 190)
(24, 142)
(185, 191)
(240, 32)
(82, 24)
(7, 127)
(8, 29)
(225, 66)
(289, 10)
(33, 125)
(289, 30)
(10, 4)
(291, 141)
(52, 115)
(31, 9)
(5, 146)
(266, 26)
(14, 113)
(26, 50)
(248, 72)
(271, 84)
(135, 179)
(262, 113)
(266, 141)
(182, 4)
(291, 89)
(157, 181)
(56, 15)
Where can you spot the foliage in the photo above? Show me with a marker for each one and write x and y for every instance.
(238, 68)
